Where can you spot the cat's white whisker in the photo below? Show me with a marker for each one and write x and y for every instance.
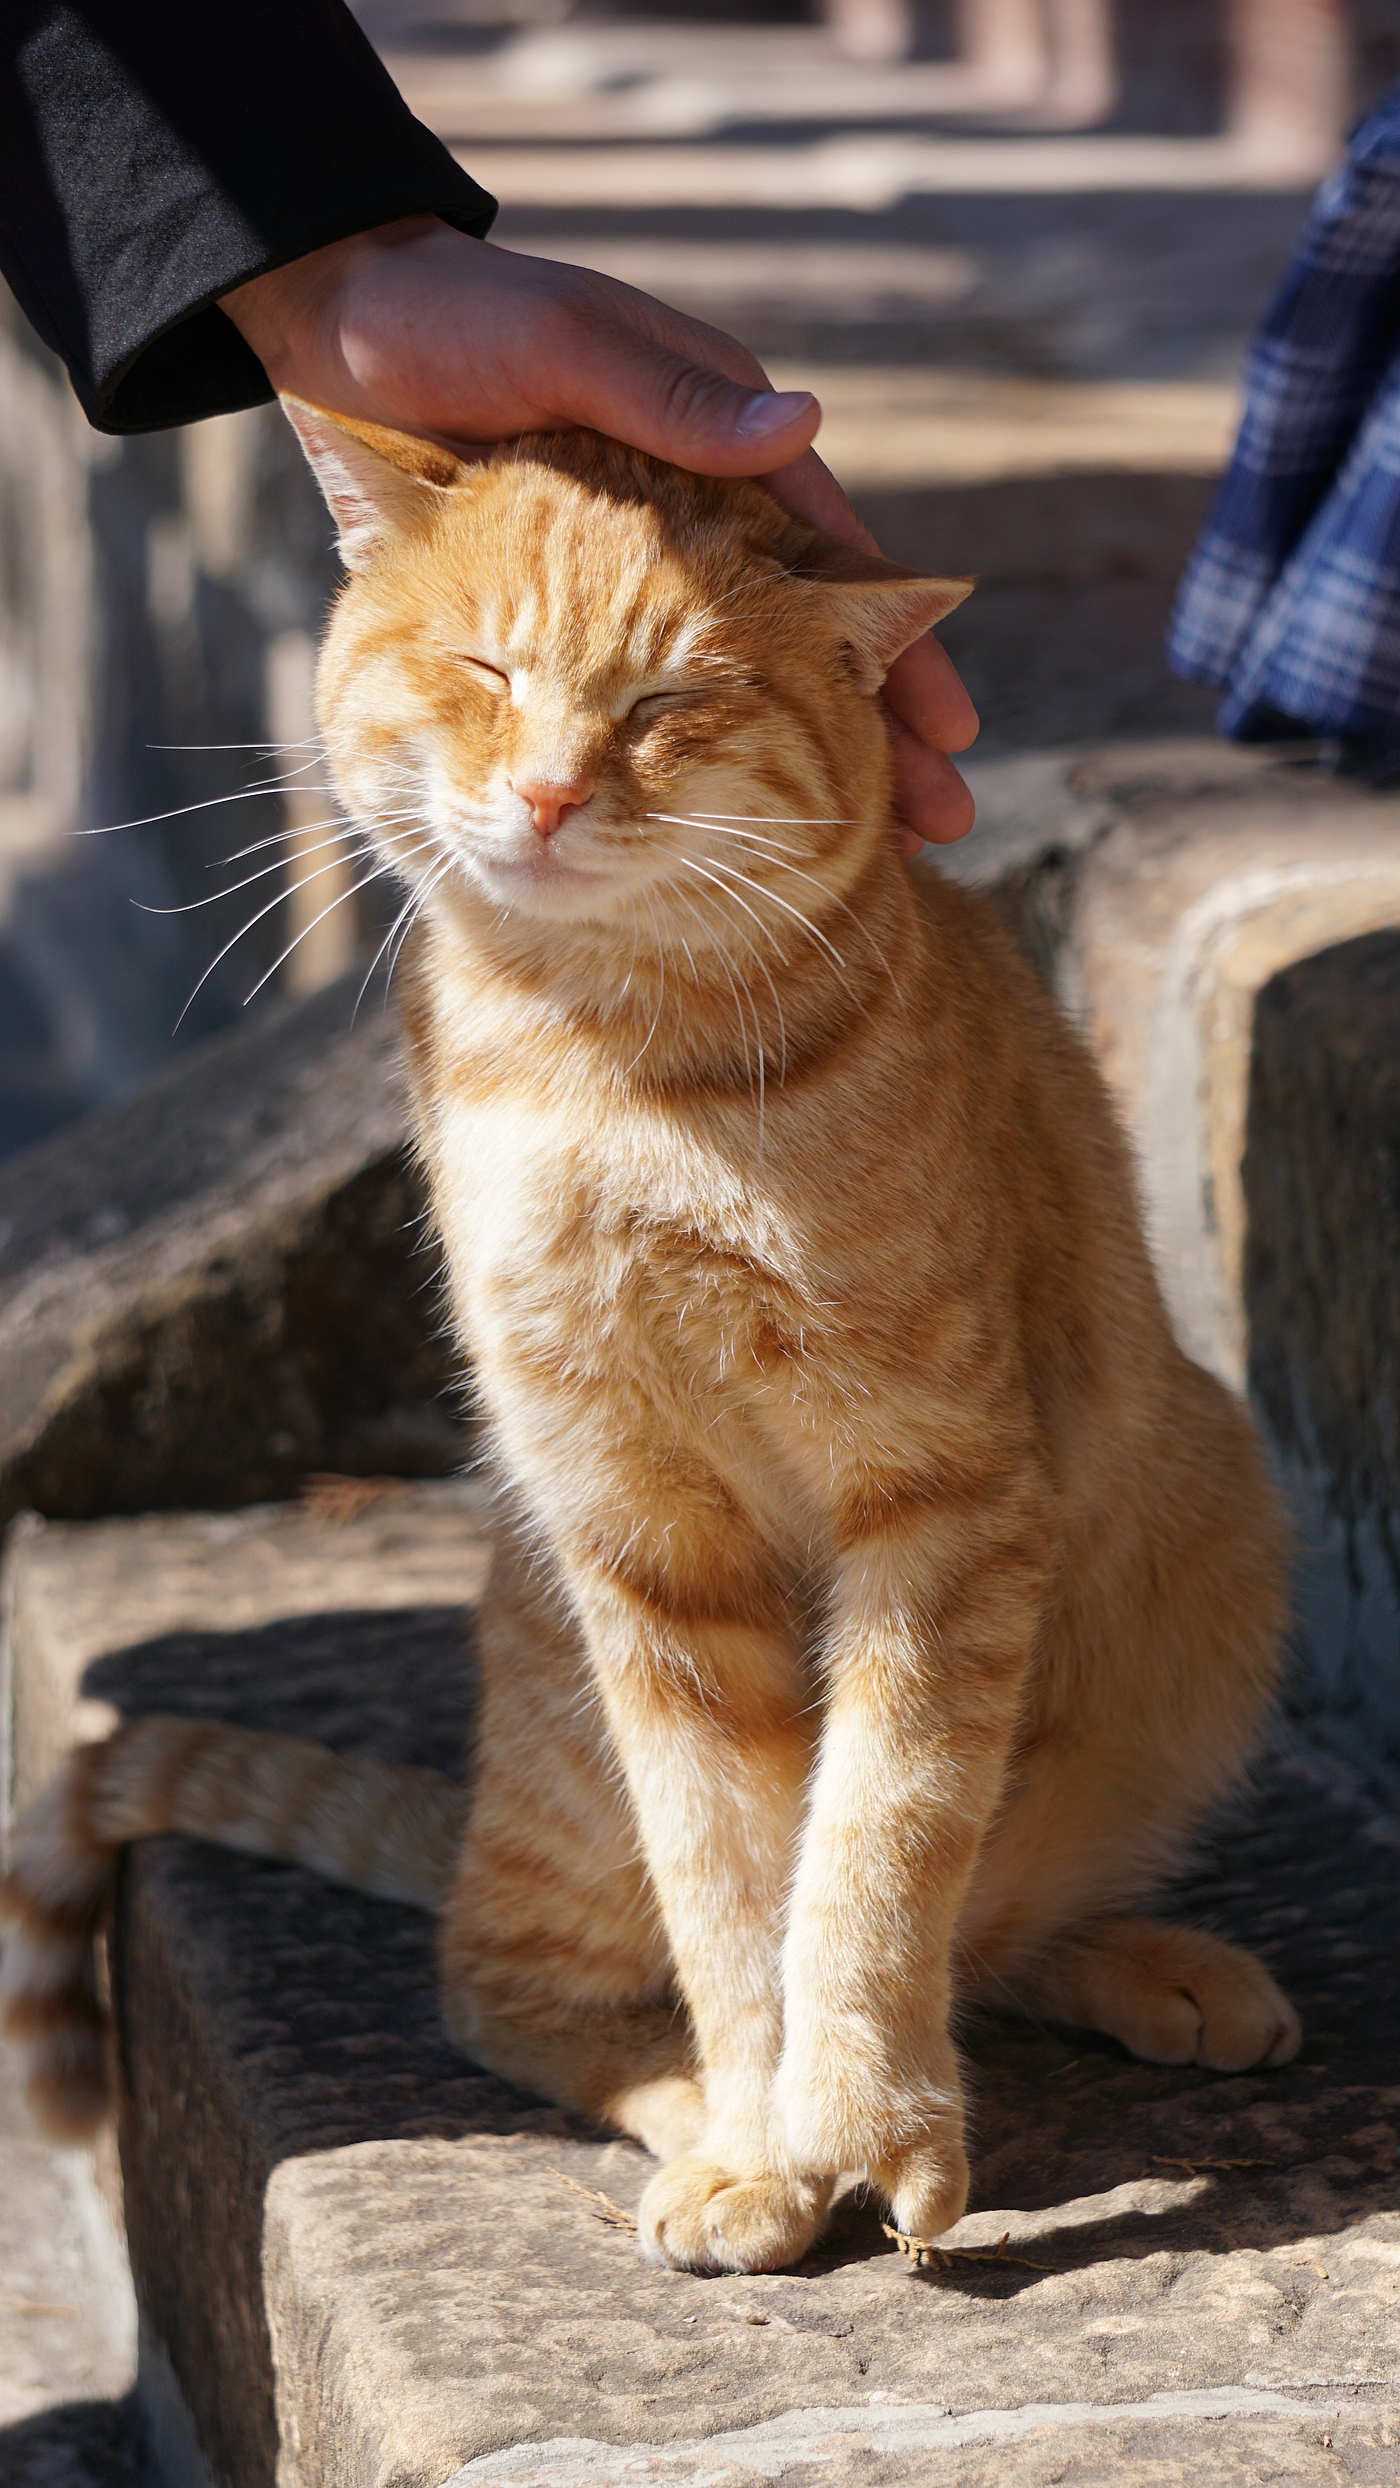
(731, 871)
(694, 902)
(661, 993)
(770, 854)
(354, 848)
(400, 928)
(207, 803)
(416, 907)
(631, 964)
(220, 956)
(269, 749)
(766, 820)
(339, 822)
(380, 872)
(761, 964)
(685, 820)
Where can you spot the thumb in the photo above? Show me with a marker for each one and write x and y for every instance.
(643, 391)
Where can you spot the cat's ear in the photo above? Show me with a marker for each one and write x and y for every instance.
(879, 607)
(378, 484)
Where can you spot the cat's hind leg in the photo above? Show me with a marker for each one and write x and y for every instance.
(554, 1966)
(1172, 1994)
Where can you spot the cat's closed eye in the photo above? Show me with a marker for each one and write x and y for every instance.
(685, 695)
(656, 703)
(490, 677)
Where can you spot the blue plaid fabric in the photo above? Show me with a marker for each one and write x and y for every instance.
(1291, 600)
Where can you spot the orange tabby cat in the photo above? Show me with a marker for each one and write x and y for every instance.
(883, 1596)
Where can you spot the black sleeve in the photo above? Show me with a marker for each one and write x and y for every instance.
(155, 153)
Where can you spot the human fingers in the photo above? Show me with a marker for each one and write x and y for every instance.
(514, 343)
(926, 692)
(632, 367)
(934, 804)
(923, 689)
(807, 487)
(432, 331)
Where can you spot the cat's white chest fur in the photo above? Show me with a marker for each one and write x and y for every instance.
(656, 1268)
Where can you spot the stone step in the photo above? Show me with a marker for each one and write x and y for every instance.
(221, 1283)
(359, 2259)
(1320, 1176)
(1169, 894)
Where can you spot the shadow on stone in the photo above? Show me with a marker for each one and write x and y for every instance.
(79, 2445)
(1321, 1177)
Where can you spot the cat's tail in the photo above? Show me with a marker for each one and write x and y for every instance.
(379, 1827)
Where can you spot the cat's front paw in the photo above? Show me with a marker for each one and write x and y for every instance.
(925, 2188)
(906, 2137)
(701, 2217)
(853, 2112)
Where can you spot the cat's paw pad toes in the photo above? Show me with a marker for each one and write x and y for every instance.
(1204, 2003)
(701, 2217)
(925, 2188)
(1226, 2028)
(1246, 2021)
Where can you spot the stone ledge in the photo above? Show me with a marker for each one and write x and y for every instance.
(1171, 2438)
(1159, 888)
(349, 2242)
(177, 1586)
(1321, 1179)
(1171, 893)
(219, 1285)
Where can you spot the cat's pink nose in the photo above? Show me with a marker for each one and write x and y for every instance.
(549, 801)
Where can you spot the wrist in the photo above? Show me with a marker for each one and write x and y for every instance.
(291, 315)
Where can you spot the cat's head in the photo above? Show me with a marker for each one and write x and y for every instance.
(580, 685)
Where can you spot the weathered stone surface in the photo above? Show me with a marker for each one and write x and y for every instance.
(1230, 2439)
(1216, 871)
(315, 2177)
(367, 1652)
(524, 2311)
(176, 1585)
(219, 1285)
(1160, 889)
(1142, 2444)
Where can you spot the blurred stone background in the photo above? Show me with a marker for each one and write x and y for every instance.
(1018, 246)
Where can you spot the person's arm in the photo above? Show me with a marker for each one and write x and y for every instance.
(156, 153)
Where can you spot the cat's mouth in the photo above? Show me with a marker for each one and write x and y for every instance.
(548, 878)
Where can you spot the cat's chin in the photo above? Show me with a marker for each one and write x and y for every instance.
(548, 890)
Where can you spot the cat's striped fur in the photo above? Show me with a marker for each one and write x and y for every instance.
(883, 1597)
(381, 1827)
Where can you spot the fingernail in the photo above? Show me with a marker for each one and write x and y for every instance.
(772, 410)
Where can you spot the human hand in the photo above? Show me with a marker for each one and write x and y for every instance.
(425, 329)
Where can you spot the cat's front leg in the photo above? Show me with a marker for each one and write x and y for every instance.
(935, 1615)
(698, 1677)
